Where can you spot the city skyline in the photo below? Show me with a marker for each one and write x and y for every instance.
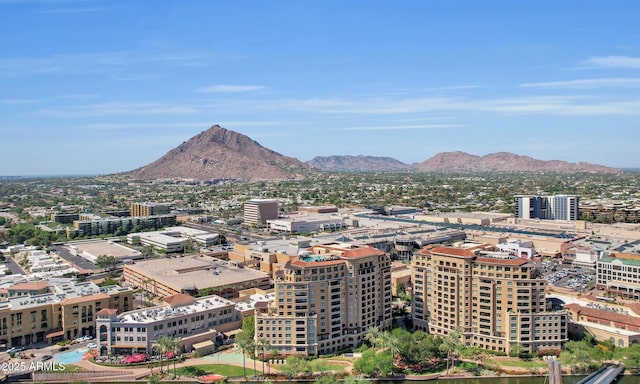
(95, 87)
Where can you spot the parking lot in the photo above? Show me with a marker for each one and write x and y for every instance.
(566, 276)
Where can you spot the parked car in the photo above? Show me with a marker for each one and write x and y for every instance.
(92, 345)
(15, 349)
(47, 357)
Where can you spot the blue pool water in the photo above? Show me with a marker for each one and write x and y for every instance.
(70, 357)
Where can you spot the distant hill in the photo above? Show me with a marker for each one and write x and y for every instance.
(360, 163)
(218, 153)
(503, 162)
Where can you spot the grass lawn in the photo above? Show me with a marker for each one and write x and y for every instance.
(221, 369)
(71, 368)
(535, 363)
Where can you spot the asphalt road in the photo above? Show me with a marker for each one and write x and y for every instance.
(14, 267)
(76, 261)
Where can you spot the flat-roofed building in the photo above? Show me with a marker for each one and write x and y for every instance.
(306, 223)
(326, 299)
(492, 297)
(173, 239)
(193, 275)
(110, 225)
(554, 207)
(258, 211)
(63, 309)
(195, 322)
(148, 208)
(619, 274)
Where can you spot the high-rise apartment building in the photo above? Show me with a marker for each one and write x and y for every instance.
(494, 299)
(258, 211)
(555, 207)
(326, 300)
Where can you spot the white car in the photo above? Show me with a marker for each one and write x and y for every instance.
(92, 345)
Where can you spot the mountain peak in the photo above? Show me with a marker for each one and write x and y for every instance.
(219, 153)
(503, 162)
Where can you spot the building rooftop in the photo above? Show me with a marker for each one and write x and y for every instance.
(149, 315)
(194, 272)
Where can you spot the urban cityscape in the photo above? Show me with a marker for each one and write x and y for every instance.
(323, 192)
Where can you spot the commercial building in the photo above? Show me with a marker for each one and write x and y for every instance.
(306, 223)
(195, 322)
(491, 296)
(621, 329)
(173, 239)
(258, 211)
(193, 275)
(619, 274)
(148, 209)
(326, 299)
(555, 207)
(38, 311)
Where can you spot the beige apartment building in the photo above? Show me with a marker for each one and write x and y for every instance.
(494, 299)
(61, 310)
(326, 299)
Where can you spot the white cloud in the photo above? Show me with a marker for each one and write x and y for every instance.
(614, 62)
(400, 127)
(226, 88)
(118, 109)
(621, 82)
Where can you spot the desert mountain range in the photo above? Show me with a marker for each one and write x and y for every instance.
(218, 153)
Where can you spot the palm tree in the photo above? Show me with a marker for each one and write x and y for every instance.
(162, 346)
(174, 346)
(389, 342)
(245, 342)
(373, 336)
(451, 344)
(263, 344)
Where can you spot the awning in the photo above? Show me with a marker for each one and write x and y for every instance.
(232, 333)
(53, 334)
(203, 344)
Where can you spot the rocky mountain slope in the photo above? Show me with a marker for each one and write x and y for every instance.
(503, 162)
(218, 153)
(360, 163)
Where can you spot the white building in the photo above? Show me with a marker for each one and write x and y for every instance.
(305, 222)
(173, 239)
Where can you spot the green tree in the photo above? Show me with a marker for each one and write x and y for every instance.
(294, 365)
(107, 262)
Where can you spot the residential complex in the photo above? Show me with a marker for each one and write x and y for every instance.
(555, 207)
(38, 311)
(101, 226)
(491, 296)
(326, 299)
(148, 209)
(258, 211)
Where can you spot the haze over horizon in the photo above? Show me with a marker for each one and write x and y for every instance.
(97, 87)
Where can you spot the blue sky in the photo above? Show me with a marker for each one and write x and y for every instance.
(94, 87)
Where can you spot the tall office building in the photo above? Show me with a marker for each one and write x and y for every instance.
(326, 300)
(555, 207)
(492, 297)
(258, 211)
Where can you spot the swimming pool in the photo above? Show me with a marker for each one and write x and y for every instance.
(70, 357)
